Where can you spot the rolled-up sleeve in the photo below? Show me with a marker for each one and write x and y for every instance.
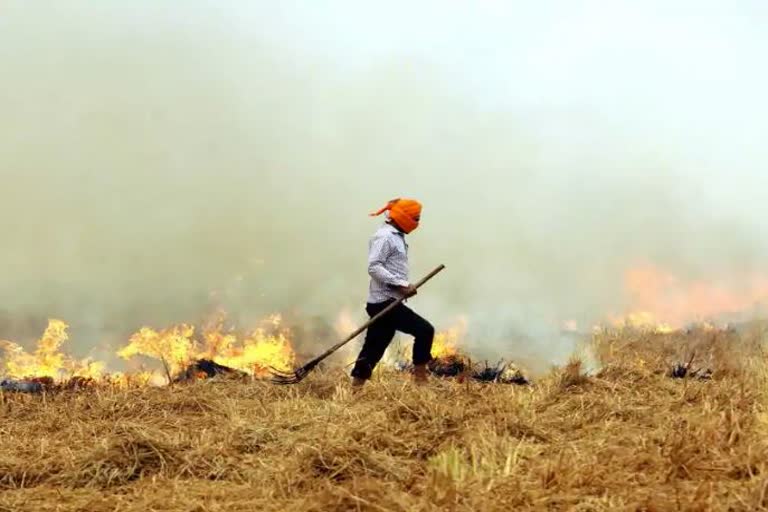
(380, 250)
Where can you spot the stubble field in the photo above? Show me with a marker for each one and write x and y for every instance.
(624, 437)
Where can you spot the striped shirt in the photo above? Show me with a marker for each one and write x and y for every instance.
(387, 264)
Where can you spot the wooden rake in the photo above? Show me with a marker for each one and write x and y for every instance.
(280, 377)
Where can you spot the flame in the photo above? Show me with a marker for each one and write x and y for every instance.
(642, 321)
(174, 346)
(446, 342)
(218, 339)
(258, 352)
(659, 302)
(663, 302)
(47, 360)
(266, 347)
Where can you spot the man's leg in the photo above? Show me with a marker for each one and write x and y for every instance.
(377, 339)
(407, 321)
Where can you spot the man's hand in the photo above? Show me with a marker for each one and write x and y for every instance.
(408, 291)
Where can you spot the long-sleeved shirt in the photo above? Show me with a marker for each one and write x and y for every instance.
(387, 264)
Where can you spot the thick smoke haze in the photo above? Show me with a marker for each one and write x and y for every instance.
(161, 159)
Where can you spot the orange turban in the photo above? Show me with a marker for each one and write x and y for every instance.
(403, 212)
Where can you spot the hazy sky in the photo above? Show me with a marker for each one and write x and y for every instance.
(153, 152)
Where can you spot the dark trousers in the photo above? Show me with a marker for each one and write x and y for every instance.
(380, 335)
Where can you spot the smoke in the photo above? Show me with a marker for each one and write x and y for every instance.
(162, 159)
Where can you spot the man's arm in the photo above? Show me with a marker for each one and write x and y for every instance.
(377, 256)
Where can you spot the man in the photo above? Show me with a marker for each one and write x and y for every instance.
(388, 268)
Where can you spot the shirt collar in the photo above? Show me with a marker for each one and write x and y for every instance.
(393, 229)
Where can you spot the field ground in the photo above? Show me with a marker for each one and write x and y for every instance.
(626, 438)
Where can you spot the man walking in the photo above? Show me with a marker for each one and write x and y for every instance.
(388, 268)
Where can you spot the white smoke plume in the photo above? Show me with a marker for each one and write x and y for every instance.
(161, 159)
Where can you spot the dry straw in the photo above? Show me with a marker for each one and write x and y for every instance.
(622, 437)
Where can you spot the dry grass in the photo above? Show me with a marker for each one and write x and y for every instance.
(626, 438)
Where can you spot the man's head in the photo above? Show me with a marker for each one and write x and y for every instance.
(403, 213)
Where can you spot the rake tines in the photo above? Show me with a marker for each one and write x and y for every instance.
(281, 377)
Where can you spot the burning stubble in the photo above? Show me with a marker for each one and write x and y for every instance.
(158, 164)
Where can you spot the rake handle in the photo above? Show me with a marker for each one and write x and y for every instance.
(373, 319)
